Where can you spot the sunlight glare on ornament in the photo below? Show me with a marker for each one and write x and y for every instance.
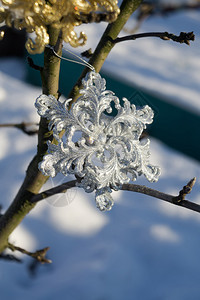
(108, 151)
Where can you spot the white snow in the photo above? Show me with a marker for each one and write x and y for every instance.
(165, 68)
(143, 248)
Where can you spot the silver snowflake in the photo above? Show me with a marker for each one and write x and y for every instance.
(103, 152)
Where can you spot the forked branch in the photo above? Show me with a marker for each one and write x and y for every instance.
(39, 255)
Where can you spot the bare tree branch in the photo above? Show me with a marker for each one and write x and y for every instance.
(185, 191)
(184, 37)
(127, 8)
(23, 126)
(177, 200)
(150, 9)
(56, 190)
(88, 53)
(33, 65)
(94, 17)
(39, 255)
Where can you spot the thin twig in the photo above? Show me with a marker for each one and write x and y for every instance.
(149, 9)
(53, 191)
(177, 200)
(185, 191)
(33, 65)
(22, 126)
(88, 53)
(183, 37)
(39, 255)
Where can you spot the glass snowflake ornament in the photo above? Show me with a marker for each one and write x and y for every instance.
(102, 151)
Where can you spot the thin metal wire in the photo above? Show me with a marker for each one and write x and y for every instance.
(84, 62)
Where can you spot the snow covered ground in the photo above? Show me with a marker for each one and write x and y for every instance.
(143, 248)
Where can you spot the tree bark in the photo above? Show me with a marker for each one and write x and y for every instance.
(34, 179)
(107, 42)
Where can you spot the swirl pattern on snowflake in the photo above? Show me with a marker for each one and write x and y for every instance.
(103, 151)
